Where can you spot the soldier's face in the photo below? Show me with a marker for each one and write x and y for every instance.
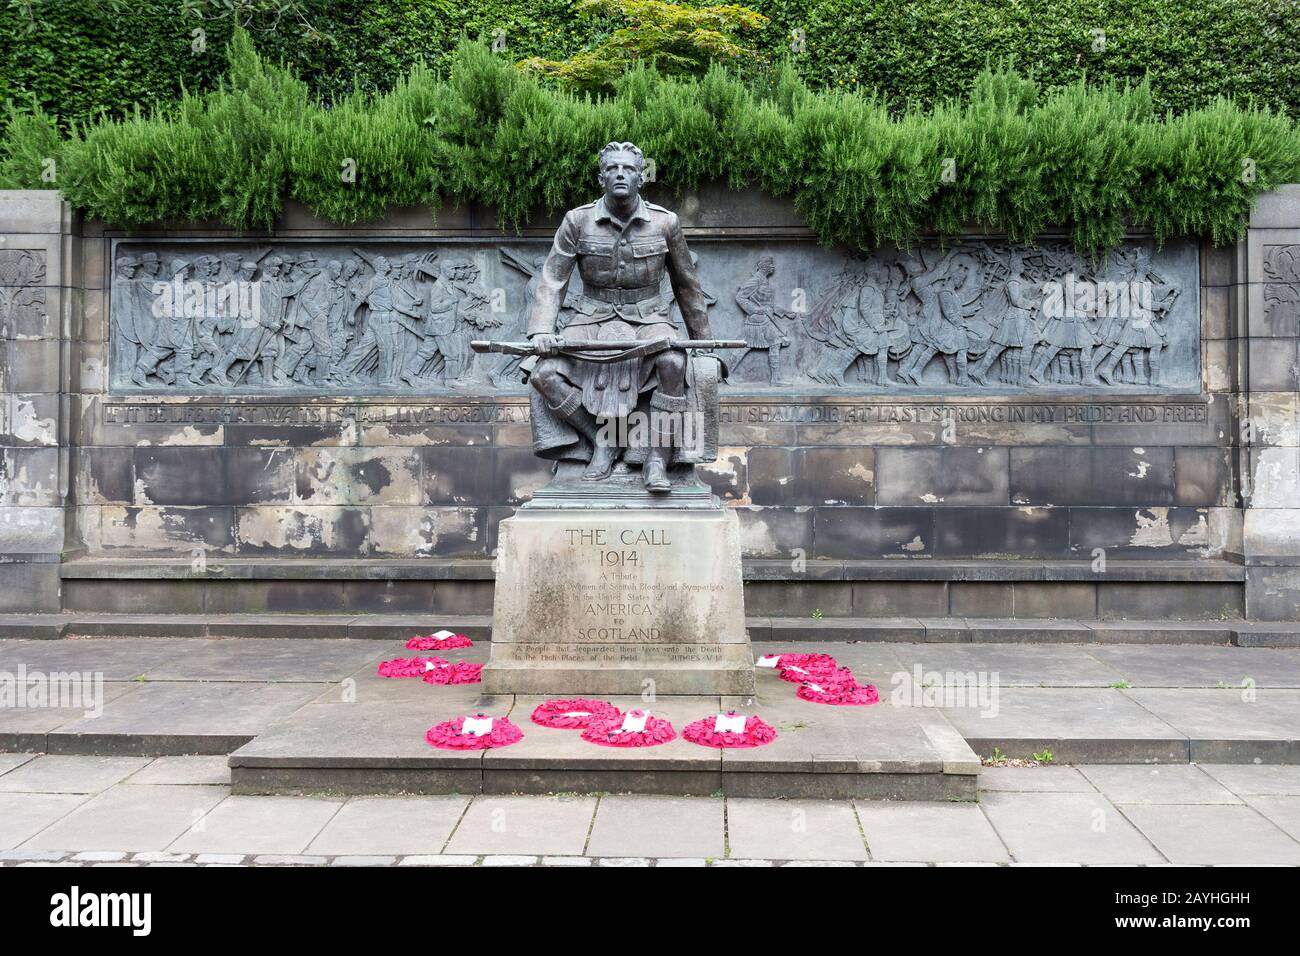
(621, 175)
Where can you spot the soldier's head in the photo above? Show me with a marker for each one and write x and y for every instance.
(126, 266)
(232, 261)
(766, 265)
(382, 266)
(247, 269)
(150, 263)
(272, 268)
(334, 269)
(622, 170)
(350, 267)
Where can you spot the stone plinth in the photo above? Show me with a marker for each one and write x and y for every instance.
(619, 601)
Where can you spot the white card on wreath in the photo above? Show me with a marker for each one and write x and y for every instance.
(577, 713)
(432, 666)
(767, 660)
(477, 726)
(634, 723)
(443, 635)
(729, 724)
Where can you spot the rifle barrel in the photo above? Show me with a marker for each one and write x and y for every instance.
(593, 345)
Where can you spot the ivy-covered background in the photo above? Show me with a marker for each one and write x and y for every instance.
(81, 57)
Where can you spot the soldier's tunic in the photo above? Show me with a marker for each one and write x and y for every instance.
(622, 265)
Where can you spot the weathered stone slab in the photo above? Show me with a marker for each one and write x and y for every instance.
(619, 601)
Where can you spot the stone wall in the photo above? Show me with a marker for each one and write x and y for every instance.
(1068, 495)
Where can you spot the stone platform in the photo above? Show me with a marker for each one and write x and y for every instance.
(303, 715)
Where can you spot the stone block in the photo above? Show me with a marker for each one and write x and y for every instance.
(182, 475)
(771, 476)
(1273, 364)
(837, 476)
(1174, 600)
(601, 601)
(358, 476)
(1203, 476)
(727, 475)
(31, 530)
(1092, 476)
(1054, 599)
(39, 211)
(457, 476)
(29, 588)
(103, 475)
(133, 596)
(398, 531)
(859, 533)
(1021, 532)
(34, 365)
(979, 599)
(770, 532)
(268, 529)
(29, 420)
(1135, 532)
(905, 598)
(941, 476)
(29, 477)
(1272, 593)
(773, 598)
(155, 529)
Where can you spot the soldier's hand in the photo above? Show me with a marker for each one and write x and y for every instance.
(545, 343)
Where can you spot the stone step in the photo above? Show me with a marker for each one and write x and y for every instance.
(478, 627)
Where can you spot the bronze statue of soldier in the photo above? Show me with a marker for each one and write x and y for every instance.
(622, 246)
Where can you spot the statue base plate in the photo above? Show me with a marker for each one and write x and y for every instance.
(622, 600)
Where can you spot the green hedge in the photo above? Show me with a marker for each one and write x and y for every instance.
(1093, 159)
(88, 56)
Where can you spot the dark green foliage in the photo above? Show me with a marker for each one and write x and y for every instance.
(1013, 158)
(88, 56)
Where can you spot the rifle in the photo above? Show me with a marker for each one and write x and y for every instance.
(622, 350)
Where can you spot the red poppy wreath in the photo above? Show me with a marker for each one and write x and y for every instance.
(409, 666)
(474, 733)
(636, 728)
(576, 714)
(461, 672)
(440, 641)
(729, 730)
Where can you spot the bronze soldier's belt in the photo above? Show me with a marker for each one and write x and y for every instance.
(621, 296)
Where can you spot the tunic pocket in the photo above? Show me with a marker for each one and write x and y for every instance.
(644, 248)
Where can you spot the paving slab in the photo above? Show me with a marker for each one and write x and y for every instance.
(23, 815)
(1066, 828)
(365, 748)
(1041, 779)
(642, 825)
(1215, 834)
(1256, 779)
(53, 773)
(165, 718)
(1230, 726)
(302, 660)
(1167, 784)
(872, 662)
(515, 825)
(1087, 725)
(793, 830)
(1016, 665)
(262, 825)
(364, 685)
(130, 819)
(550, 760)
(1282, 811)
(117, 659)
(10, 761)
(1209, 665)
(930, 832)
(390, 825)
(212, 770)
(877, 751)
(25, 728)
